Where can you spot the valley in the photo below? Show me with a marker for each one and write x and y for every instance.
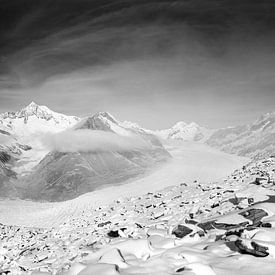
(95, 195)
(190, 162)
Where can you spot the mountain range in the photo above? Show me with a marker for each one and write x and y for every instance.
(255, 140)
(50, 156)
(112, 155)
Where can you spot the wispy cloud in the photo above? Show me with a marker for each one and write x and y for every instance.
(151, 61)
(92, 141)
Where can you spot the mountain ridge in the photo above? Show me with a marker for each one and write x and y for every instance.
(35, 118)
(256, 139)
(110, 154)
(232, 139)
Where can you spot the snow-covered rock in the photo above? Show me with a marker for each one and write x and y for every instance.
(203, 229)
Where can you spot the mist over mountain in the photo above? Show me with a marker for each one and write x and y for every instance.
(60, 157)
(76, 155)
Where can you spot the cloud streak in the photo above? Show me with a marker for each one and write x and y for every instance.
(150, 61)
(92, 141)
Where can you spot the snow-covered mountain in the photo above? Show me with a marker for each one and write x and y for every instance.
(21, 132)
(184, 131)
(35, 119)
(66, 175)
(24, 153)
(180, 131)
(256, 139)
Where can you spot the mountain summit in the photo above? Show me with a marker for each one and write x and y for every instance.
(184, 131)
(99, 121)
(35, 118)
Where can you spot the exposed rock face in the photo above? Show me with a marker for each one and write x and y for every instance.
(10, 152)
(181, 231)
(62, 176)
(6, 172)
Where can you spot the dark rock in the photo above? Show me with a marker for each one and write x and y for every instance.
(138, 225)
(259, 181)
(4, 157)
(255, 215)
(113, 234)
(190, 221)
(180, 269)
(258, 250)
(103, 224)
(236, 200)
(4, 133)
(181, 231)
(224, 226)
(266, 224)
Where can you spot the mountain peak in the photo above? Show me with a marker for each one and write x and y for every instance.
(34, 118)
(32, 104)
(36, 110)
(98, 121)
(180, 124)
(183, 125)
(105, 116)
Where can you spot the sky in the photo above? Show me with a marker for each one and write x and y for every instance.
(154, 62)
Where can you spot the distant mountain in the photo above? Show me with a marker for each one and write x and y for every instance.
(184, 131)
(52, 174)
(66, 175)
(21, 132)
(255, 140)
(180, 131)
(35, 119)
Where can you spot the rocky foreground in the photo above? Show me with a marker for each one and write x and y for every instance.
(203, 228)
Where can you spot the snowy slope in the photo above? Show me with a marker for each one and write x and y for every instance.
(254, 140)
